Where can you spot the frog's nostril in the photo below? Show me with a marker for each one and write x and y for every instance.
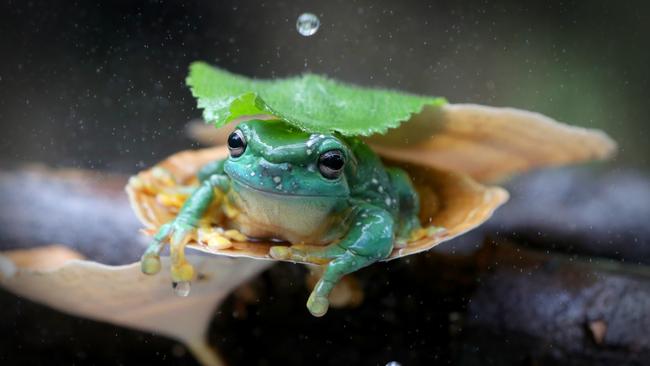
(268, 169)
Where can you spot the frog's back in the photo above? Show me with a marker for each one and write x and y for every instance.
(371, 182)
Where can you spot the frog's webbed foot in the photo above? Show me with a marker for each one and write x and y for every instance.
(427, 231)
(369, 240)
(150, 260)
(178, 234)
(347, 293)
(318, 303)
(181, 269)
(403, 238)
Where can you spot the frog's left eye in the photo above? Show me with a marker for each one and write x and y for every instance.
(236, 143)
(331, 163)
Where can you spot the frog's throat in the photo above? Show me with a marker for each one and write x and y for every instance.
(293, 218)
(247, 185)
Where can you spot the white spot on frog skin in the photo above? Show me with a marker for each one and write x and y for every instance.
(308, 151)
(388, 201)
(380, 189)
(311, 141)
(374, 181)
(252, 174)
(277, 179)
(311, 167)
(278, 187)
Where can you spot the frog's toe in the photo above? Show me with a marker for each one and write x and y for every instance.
(401, 243)
(317, 305)
(429, 232)
(280, 252)
(183, 272)
(150, 264)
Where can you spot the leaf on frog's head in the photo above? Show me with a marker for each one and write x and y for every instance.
(310, 102)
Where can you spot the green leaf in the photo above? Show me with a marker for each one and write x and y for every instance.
(310, 102)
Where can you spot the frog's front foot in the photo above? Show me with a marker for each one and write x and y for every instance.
(317, 304)
(318, 301)
(150, 263)
(339, 262)
(150, 260)
(178, 234)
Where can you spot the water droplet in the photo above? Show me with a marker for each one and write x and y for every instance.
(307, 24)
(393, 363)
(182, 288)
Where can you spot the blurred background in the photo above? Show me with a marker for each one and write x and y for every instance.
(100, 85)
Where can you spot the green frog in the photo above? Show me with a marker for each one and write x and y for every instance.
(326, 199)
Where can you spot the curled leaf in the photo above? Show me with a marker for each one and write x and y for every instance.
(123, 295)
(448, 200)
(490, 143)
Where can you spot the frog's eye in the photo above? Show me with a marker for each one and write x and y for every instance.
(236, 143)
(330, 164)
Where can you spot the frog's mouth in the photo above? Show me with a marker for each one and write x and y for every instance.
(280, 194)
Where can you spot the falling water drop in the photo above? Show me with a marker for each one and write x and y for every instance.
(182, 288)
(307, 24)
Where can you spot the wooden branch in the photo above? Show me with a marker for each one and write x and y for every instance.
(579, 212)
(535, 306)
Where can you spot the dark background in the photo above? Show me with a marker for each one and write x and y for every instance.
(100, 85)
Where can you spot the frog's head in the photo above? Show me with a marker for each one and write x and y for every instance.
(275, 157)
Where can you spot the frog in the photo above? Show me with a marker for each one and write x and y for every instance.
(324, 198)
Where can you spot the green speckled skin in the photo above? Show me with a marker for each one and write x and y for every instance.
(349, 222)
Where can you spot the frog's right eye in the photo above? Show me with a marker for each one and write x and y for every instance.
(236, 143)
(331, 163)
